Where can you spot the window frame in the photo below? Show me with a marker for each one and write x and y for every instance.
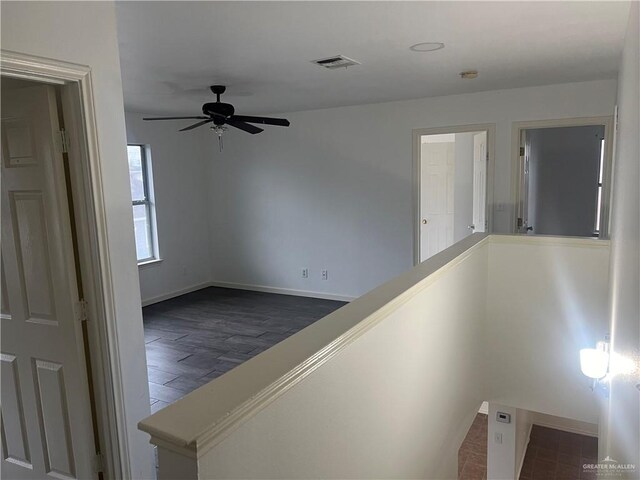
(149, 203)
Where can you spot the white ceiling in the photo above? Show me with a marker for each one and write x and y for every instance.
(172, 51)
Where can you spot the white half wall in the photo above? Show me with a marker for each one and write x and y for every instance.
(181, 169)
(396, 403)
(85, 33)
(334, 190)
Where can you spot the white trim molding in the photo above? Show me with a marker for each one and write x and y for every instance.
(284, 291)
(175, 293)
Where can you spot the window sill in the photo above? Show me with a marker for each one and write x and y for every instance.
(148, 263)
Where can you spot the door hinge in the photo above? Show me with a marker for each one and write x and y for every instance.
(83, 314)
(64, 141)
(522, 151)
(98, 463)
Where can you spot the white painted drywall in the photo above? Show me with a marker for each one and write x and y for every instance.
(85, 33)
(181, 169)
(563, 179)
(547, 299)
(523, 431)
(622, 431)
(368, 414)
(333, 191)
(463, 186)
(501, 453)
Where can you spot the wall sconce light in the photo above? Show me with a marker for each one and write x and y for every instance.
(594, 362)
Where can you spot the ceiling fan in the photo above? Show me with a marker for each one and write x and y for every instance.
(221, 114)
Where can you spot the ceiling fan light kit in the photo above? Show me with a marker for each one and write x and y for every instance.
(221, 114)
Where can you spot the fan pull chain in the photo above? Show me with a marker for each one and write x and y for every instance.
(220, 141)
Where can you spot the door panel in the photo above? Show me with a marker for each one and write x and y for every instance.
(436, 197)
(14, 434)
(46, 419)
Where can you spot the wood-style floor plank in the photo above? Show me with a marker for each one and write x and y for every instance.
(195, 338)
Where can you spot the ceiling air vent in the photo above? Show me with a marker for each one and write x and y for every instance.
(338, 61)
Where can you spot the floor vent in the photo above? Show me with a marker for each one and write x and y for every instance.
(338, 61)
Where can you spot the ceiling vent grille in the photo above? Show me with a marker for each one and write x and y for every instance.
(337, 61)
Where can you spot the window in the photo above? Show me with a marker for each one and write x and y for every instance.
(143, 207)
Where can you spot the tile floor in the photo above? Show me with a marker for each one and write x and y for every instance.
(472, 456)
(194, 338)
(551, 454)
(557, 455)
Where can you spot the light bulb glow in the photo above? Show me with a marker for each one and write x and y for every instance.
(594, 362)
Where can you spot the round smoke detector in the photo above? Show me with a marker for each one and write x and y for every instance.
(427, 47)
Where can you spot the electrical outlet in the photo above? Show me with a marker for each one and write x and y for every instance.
(305, 273)
(325, 274)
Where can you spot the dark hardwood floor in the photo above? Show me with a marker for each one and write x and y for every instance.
(194, 338)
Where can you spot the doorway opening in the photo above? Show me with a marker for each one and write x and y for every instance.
(452, 181)
(562, 180)
(60, 363)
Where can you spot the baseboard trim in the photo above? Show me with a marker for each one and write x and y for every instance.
(283, 291)
(241, 286)
(565, 428)
(175, 293)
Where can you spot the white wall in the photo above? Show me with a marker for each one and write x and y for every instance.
(622, 431)
(547, 299)
(85, 33)
(181, 169)
(334, 190)
(501, 454)
(463, 186)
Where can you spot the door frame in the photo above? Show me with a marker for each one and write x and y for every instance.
(94, 256)
(516, 133)
(417, 133)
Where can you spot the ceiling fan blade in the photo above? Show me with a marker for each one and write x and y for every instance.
(195, 125)
(281, 122)
(243, 126)
(175, 118)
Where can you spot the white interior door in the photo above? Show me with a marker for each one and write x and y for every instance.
(480, 160)
(437, 171)
(46, 420)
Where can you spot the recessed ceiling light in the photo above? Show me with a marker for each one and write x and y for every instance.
(469, 74)
(427, 47)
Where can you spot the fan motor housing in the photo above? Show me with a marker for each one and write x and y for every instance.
(225, 109)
